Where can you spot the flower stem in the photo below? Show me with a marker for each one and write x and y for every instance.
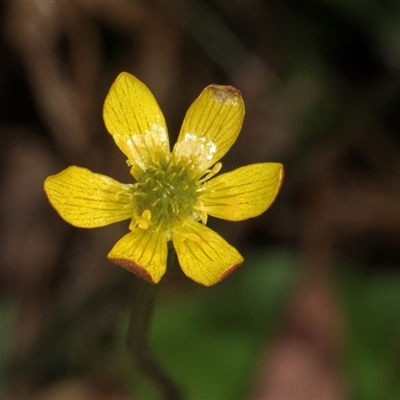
(137, 339)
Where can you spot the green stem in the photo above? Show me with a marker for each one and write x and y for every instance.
(137, 340)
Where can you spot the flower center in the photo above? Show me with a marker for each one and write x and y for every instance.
(166, 194)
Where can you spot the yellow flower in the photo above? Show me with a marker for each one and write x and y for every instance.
(173, 194)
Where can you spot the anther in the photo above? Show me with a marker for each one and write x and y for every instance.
(211, 172)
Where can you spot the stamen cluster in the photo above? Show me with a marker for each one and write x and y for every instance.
(167, 194)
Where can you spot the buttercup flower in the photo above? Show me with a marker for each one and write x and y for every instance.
(173, 193)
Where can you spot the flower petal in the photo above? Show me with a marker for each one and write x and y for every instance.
(135, 121)
(143, 252)
(203, 255)
(211, 125)
(243, 193)
(89, 200)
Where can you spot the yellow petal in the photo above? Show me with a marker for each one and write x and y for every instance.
(243, 193)
(89, 200)
(143, 252)
(211, 125)
(203, 255)
(135, 121)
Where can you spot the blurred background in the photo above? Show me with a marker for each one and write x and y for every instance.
(314, 312)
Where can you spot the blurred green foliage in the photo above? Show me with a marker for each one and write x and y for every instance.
(212, 342)
(372, 304)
